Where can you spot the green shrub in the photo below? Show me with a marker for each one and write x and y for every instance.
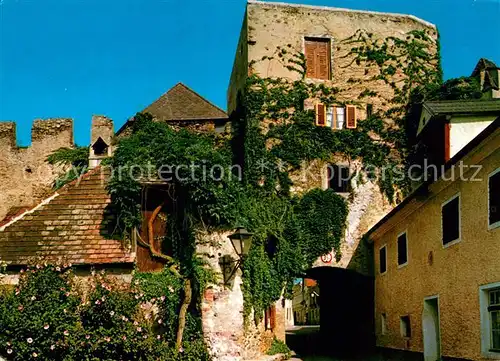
(279, 347)
(49, 317)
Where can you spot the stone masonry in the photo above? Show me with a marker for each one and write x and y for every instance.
(26, 176)
(268, 25)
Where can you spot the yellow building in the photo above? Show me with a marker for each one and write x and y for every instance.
(437, 260)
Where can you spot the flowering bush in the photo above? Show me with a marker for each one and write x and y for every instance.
(48, 317)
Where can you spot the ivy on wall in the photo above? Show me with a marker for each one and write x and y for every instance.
(274, 135)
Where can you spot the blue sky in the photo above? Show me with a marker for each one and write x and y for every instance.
(75, 58)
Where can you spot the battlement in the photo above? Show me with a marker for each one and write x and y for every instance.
(56, 131)
(51, 127)
(102, 126)
(7, 134)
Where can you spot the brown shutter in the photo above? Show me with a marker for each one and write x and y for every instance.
(320, 114)
(323, 60)
(310, 48)
(351, 122)
(335, 122)
(273, 317)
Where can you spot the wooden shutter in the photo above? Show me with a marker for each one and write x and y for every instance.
(273, 317)
(351, 121)
(323, 60)
(318, 59)
(320, 114)
(335, 124)
(310, 48)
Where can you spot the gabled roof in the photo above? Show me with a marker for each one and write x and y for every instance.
(463, 106)
(69, 226)
(484, 64)
(183, 103)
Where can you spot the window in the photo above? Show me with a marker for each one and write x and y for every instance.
(450, 215)
(383, 259)
(336, 117)
(270, 318)
(405, 326)
(489, 301)
(318, 58)
(339, 178)
(383, 323)
(494, 199)
(494, 312)
(402, 249)
(369, 110)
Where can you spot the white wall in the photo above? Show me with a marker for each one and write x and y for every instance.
(464, 129)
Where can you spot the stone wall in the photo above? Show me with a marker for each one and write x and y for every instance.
(228, 336)
(25, 177)
(269, 25)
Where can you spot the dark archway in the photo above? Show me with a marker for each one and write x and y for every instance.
(346, 315)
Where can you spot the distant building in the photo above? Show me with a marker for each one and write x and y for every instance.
(488, 75)
(437, 254)
(306, 302)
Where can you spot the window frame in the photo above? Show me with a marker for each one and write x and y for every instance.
(459, 239)
(330, 41)
(383, 323)
(379, 263)
(407, 255)
(486, 334)
(343, 188)
(405, 327)
(496, 224)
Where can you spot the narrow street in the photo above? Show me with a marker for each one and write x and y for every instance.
(305, 341)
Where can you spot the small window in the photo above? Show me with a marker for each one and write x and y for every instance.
(220, 127)
(405, 326)
(369, 110)
(383, 259)
(100, 147)
(383, 323)
(339, 178)
(494, 199)
(494, 311)
(318, 58)
(402, 249)
(450, 214)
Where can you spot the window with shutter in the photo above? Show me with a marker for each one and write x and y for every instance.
(318, 58)
(450, 214)
(351, 122)
(494, 199)
(320, 114)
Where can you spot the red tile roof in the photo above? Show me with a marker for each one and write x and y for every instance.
(70, 227)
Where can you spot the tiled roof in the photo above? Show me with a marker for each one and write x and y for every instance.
(70, 227)
(463, 106)
(183, 103)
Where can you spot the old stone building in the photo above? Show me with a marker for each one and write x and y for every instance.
(320, 33)
(72, 224)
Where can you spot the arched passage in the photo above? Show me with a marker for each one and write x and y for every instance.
(346, 315)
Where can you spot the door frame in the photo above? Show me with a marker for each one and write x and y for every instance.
(429, 298)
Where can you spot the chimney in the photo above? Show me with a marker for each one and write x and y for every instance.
(100, 140)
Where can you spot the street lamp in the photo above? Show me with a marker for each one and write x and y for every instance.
(241, 241)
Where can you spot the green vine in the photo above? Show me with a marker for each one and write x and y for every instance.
(274, 134)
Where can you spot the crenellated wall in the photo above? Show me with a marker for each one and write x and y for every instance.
(25, 176)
